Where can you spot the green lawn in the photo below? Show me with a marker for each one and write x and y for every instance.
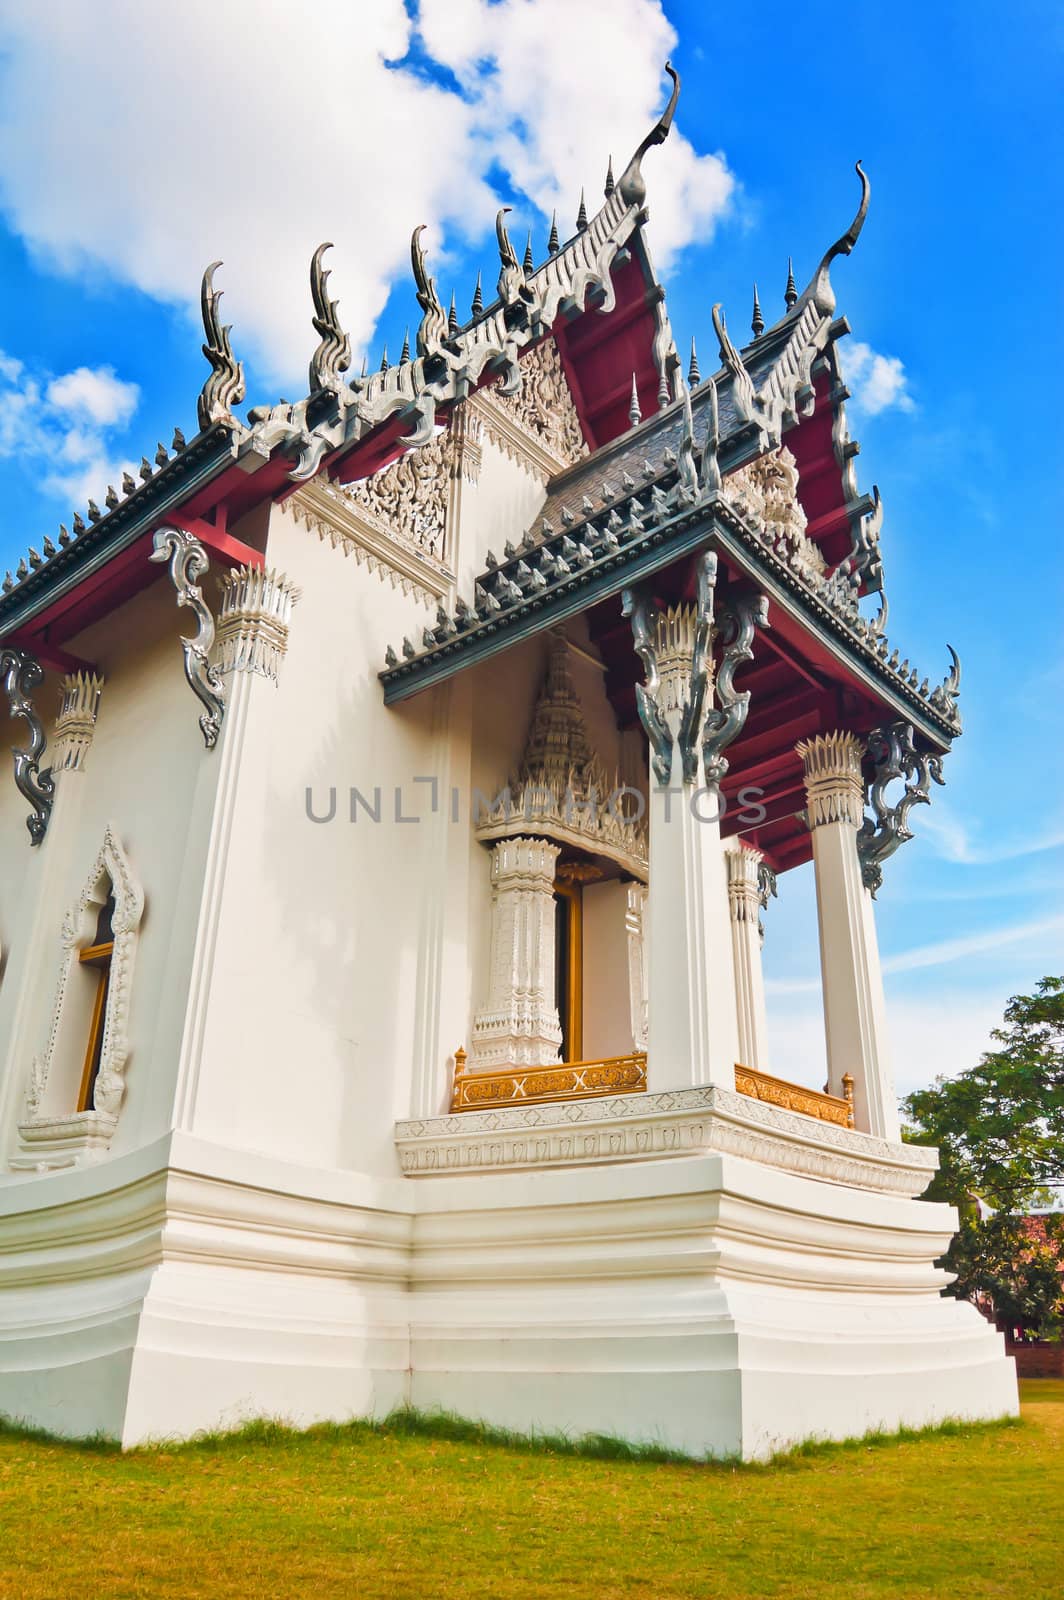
(358, 1513)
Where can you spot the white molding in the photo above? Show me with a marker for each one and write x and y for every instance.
(648, 1127)
(336, 519)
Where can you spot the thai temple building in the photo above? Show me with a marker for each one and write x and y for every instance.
(400, 781)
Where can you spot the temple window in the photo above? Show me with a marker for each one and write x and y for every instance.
(95, 958)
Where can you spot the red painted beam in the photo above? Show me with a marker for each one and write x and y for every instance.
(216, 541)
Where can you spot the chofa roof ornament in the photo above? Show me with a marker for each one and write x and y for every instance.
(224, 388)
(333, 355)
(820, 291)
(631, 184)
(434, 326)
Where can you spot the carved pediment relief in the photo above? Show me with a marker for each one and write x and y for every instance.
(767, 490)
(541, 415)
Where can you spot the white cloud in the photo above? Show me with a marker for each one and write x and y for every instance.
(954, 840)
(254, 130)
(62, 426)
(991, 939)
(877, 383)
(94, 393)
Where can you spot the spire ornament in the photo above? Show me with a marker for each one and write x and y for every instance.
(757, 324)
(554, 243)
(333, 355)
(478, 299)
(694, 376)
(631, 183)
(790, 294)
(528, 265)
(434, 327)
(635, 415)
(610, 184)
(581, 215)
(225, 386)
(894, 756)
(20, 674)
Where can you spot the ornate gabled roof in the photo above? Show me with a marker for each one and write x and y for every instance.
(338, 414)
(637, 507)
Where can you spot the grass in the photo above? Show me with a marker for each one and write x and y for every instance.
(434, 1507)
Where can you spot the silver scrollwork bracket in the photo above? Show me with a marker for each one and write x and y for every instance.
(637, 605)
(20, 673)
(894, 756)
(188, 562)
(767, 889)
(725, 722)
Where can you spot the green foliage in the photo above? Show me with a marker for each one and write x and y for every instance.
(999, 1128)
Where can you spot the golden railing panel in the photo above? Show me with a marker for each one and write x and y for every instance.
(570, 1080)
(793, 1097)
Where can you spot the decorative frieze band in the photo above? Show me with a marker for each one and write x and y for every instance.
(253, 621)
(833, 784)
(349, 526)
(76, 723)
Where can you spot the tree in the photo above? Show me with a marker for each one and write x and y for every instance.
(999, 1128)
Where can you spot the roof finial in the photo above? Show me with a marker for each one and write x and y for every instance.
(553, 243)
(581, 215)
(384, 359)
(333, 354)
(432, 330)
(820, 291)
(365, 367)
(694, 377)
(528, 265)
(404, 354)
(633, 188)
(610, 185)
(452, 318)
(635, 415)
(757, 324)
(224, 388)
(478, 299)
(790, 294)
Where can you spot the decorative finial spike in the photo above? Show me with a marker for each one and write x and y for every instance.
(553, 243)
(145, 469)
(757, 322)
(528, 265)
(178, 440)
(404, 354)
(128, 483)
(110, 499)
(365, 367)
(610, 185)
(452, 318)
(478, 298)
(790, 295)
(581, 215)
(384, 359)
(635, 414)
(64, 536)
(694, 377)
(162, 455)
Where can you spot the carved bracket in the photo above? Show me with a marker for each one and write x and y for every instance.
(725, 722)
(767, 889)
(188, 562)
(644, 614)
(20, 673)
(894, 756)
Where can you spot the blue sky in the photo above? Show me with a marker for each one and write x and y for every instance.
(355, 122)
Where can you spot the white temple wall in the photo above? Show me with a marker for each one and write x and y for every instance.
(148, 775)
(502, 504)
(312, 1026)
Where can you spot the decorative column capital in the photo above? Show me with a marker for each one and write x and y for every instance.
(744, 891)
(79, 704)
(531, 860)
(833, 784)
(253, 621)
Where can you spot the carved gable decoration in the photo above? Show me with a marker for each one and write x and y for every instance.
(541, 414)
(409, 498)
(767, 490)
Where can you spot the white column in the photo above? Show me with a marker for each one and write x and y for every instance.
(854, 1006)
(518, 1025)
(692, 1034)
(636, 939)
(744, 901)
